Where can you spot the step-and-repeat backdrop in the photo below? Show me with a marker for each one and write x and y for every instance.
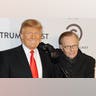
(52, 28)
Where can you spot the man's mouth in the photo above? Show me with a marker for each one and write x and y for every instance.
(33, 41)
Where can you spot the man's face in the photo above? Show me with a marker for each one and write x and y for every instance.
(70, 46)
(31, 37)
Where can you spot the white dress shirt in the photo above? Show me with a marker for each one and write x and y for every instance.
(37, 59)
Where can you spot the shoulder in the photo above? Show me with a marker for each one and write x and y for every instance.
(13, 50)
(85, 57)
(89, 59)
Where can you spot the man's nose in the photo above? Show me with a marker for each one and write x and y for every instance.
(71, 48)
(32, 35)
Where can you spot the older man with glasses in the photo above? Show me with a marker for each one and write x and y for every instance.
(72, 63)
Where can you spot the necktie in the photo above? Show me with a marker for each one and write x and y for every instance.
(33, 66)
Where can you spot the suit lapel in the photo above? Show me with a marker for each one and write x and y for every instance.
(23, 60)
(25, 65)
(43, 61)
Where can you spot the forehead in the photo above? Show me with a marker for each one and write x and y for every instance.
(69, 40)
(31, 29)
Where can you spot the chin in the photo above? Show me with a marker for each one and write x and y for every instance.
(71, 57)
(33, 47)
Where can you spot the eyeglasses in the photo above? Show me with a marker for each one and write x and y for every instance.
(71, 47)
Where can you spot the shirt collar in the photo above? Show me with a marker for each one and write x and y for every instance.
(27, 50)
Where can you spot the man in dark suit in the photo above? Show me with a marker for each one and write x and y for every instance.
(17, 62)
(72, 62)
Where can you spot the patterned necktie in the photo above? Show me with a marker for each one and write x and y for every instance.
(33, 66)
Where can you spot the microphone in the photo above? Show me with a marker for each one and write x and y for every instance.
(42, 46)
(48, 48)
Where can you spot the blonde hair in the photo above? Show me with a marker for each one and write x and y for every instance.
(31, 23)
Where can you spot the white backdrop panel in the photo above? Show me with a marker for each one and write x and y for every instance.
(52, 28)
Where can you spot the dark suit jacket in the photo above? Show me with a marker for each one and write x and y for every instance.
(82, 66)
(14, 64)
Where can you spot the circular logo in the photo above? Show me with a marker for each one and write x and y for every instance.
(75, 28)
